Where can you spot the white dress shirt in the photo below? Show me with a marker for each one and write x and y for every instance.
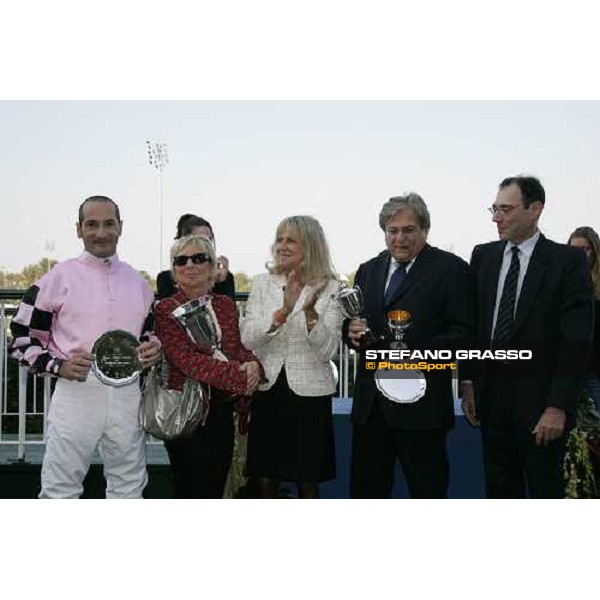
(392, 269)
(525, 252)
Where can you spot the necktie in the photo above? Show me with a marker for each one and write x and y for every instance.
(506, 311)
(395, 283)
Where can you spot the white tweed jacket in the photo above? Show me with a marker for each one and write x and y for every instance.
(305, 355)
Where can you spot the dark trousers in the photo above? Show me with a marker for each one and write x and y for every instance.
(375, 448)
(200, 463)
(513, 464)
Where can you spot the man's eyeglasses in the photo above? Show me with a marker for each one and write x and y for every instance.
(198, 259)
(503, 209)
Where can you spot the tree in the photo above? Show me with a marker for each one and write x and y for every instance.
(242, 282)
(348, 279)
(151, 281)
(28, 276)
(31, 273)
(9, 280)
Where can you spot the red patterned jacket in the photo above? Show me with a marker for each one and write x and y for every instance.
(186, 360)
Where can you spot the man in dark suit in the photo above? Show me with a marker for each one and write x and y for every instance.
(433, 285)
(531, 294)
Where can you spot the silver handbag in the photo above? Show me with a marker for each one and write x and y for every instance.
(169, 414)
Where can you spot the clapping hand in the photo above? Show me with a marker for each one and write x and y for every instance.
(313, 296)
(291, 292)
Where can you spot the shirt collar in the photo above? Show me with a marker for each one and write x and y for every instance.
(94, 260)
(525, 247)
(407, 265)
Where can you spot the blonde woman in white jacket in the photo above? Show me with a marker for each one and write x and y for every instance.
(293, 325)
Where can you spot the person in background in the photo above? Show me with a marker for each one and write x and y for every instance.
(293, 324)
(54, 331)
(587, 239)
(201, 462)
(189, 224)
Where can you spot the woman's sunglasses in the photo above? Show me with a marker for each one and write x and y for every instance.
(197, 259)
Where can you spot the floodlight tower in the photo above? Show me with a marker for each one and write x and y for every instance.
(49, 247)
(158, 157)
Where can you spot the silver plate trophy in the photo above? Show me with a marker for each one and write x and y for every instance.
(402, 387)
(114, 358)
(197, 320)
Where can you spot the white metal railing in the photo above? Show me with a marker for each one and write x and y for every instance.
(17, 410)
(14, 409)
(23, 437)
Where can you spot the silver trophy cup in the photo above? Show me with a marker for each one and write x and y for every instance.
(406, 386)
(398, 322)
(350, 300)
(195, 317)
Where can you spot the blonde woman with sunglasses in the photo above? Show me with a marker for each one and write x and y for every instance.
(201, 462)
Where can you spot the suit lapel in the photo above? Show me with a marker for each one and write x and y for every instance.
(276, 285)
(534, 276)
(490, 286)
(414, 275)
(379, 277)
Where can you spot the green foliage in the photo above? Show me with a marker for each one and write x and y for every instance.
(242, 282)
(151, 281)
(31, 273)
(581, 466)
(28, 276)
(578, 470)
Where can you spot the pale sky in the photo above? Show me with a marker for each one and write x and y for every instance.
(246, 165)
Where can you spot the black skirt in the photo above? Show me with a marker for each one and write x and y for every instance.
(291, 437)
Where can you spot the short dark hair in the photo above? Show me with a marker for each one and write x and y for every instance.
(98, 199)
(531, 188)
(187, 222)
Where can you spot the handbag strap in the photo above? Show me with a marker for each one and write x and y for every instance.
(162, 369)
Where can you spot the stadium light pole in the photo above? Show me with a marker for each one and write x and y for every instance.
(158, 157)
(49, 247)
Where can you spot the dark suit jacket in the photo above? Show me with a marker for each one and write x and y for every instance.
(436, 291)
(554, 318)
(165, 286)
